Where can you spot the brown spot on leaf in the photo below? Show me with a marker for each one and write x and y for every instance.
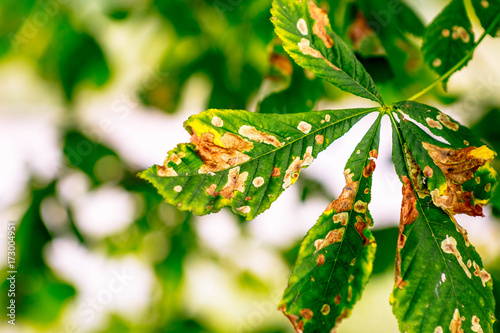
(341, 217)
(456, 323)
(297, 325)
(178, 188)
(216, 157)
(217, 121)
(319, 28)
(244, 209)
(337, 299)
(304, 127)
(302, 26)
(482, 274)
(446, 121)
(211, 190)
(476, 327)
(360, 206)
(276, 172)
(325, 309)
(409, 213)
(332, 237)
(319, 139)
(164, 171)
(345, 200)
(321, 259)
(306, 314)
(487, 187)
(433, 123)
(428, 172)
(306, 49)
(252, 133)
(449, 245)
(353, 261)
(292, 173)
(367, 190)
(438, 329)
(258, 181)
(368, 170)
(235, 182)
(409, 210)
(458, 166)
(360, 225)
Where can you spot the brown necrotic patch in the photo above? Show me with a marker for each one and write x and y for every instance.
(482, 274)
(253, 134)
(449, 245)
(360, 226)
(297, 324)
(165, 171)
(321, 22)
(325, 309)
(456, 323)
(368, 170)
(319, 139)
(337, 299)
(321, 259)
(476, 327)
(458, 166)
(276, 172)
(341, 218)
(345, 201)
(433, 123)
(332, 237)
(409, 214)
(235, 182)
(307, 314)
(216, 157)
(447, 122)
(282, 63)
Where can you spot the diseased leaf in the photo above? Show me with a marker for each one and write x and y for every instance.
(390, 19)
(440, 283)
(336, 257)
(459, 180)
(287, 88)
(308, 37)
(448, 38)
(487, 11)
(245, 160)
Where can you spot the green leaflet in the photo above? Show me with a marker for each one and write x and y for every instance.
(287, 88)
(441, 285)
(459, 177)
(309, 39)
(245, 160)
(336, 257)
(390, 19)
(487, 11)
(448, 38)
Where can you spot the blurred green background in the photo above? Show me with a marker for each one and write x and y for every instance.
(91, 92)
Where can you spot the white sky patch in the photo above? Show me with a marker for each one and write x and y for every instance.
(104, 211)
(104, 285)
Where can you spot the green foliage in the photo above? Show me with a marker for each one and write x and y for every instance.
(449, 38)
(245, 160)
(309, 39)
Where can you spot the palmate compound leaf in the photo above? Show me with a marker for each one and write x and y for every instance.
(308, 37)
(448, 38)
(456, 168)
(243, 159)
(336, 257)
(441, 285)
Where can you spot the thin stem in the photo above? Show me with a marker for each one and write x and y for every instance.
(459, 64)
